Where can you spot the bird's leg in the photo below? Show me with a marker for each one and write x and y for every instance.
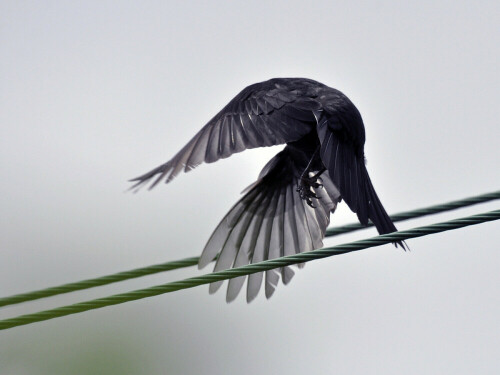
(306, 183)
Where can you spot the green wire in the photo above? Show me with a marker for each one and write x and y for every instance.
(188, 262)
(248, 269)
(99, 281)
(406, 215)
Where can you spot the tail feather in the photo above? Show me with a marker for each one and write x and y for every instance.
(376, 211)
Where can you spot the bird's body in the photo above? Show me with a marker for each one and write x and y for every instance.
(287, 209)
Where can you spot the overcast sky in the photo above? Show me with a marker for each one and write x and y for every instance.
(94, 93)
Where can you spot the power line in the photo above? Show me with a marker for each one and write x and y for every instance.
(248, 269)
(187, 262)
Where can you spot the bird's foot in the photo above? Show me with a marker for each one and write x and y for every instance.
(305, 188)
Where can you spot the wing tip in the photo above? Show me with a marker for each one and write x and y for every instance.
(163, 170)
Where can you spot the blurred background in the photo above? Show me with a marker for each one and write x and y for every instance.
(94, 93)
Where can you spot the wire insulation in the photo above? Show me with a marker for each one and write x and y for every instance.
(188, 262)
(248, 269)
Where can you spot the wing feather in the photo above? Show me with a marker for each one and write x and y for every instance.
(275, 244)
(263, 114)
(269, 221)
(262, 247)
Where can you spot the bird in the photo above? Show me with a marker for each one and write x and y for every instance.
(287, 209)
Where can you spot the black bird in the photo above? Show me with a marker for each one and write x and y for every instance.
(287, 210)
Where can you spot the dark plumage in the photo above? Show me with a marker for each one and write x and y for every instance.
(287, 210)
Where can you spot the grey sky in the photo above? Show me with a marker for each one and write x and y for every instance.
(94, 93)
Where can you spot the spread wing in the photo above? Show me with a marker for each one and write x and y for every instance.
(264, 114)
(268, 222)
(342, 137)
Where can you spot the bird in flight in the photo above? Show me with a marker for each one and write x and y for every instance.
(287, 210)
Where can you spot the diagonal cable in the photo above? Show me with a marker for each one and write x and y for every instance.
(248, 269)
(420, 212)
(187, 262)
